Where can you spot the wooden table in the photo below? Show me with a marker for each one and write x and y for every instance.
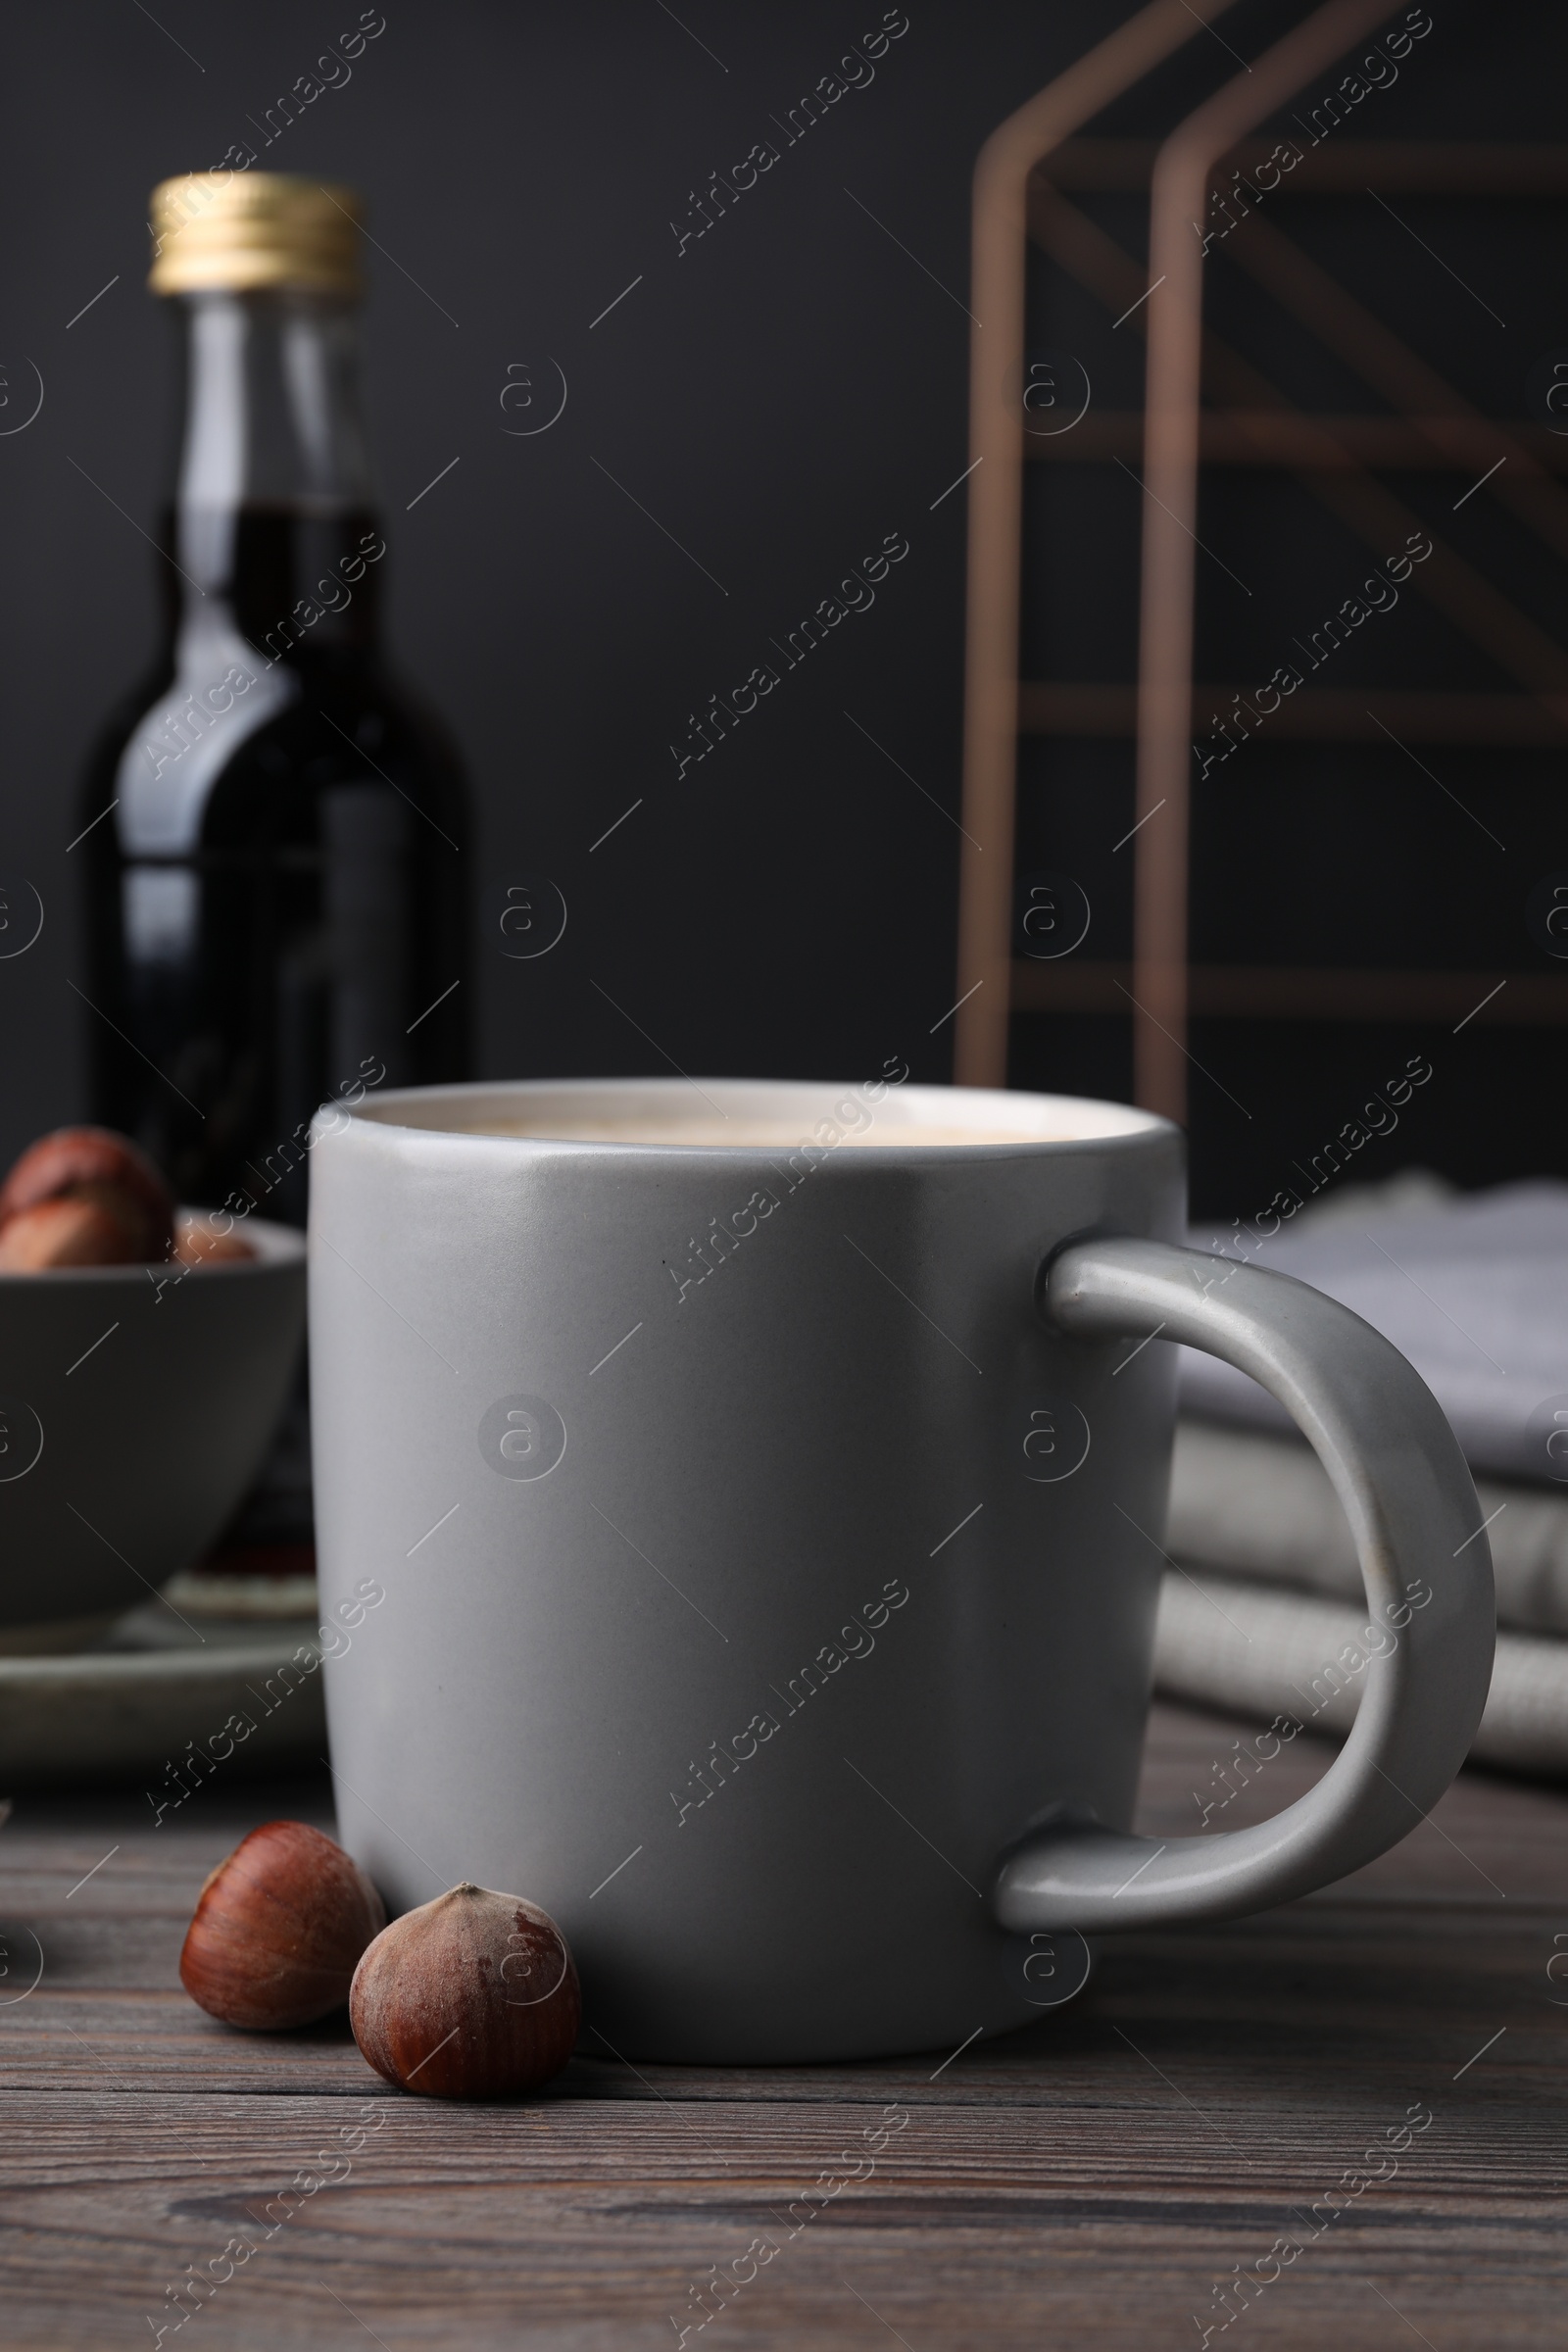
(1084, 2182)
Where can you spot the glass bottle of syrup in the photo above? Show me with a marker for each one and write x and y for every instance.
(276, 879)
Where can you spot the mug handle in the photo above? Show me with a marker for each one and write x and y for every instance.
(1397, 1470)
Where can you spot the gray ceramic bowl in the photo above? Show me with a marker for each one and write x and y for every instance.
(135, 1406)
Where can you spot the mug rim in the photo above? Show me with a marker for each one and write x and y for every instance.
(1105, 1125)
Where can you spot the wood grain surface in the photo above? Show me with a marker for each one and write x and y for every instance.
(1087, 2181)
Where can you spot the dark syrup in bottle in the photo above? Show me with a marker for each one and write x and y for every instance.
(275, 896)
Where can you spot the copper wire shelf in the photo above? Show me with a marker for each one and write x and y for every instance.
(1024, 180)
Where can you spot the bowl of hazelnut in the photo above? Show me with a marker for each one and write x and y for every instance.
(146, 1353)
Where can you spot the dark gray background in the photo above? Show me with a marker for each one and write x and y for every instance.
(789, 390)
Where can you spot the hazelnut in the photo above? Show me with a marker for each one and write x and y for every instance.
(197, 1245)
(279, 1929)
(93, 1164)
(60, 1232)
(473, 1996)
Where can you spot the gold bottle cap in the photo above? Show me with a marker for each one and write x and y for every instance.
(241, 230)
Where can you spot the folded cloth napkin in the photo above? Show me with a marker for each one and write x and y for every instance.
(1254, 1504)
(1474, 1291)
(1288, 1659)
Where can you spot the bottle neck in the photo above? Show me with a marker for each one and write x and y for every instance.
(273, 527)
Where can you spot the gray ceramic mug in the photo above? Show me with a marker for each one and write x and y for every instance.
(770, 1534)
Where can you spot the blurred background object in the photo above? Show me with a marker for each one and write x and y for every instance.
(1309, 400)
(641, 405)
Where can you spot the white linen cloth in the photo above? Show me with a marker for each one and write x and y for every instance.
(1283, 1658)
(1251, 1503)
